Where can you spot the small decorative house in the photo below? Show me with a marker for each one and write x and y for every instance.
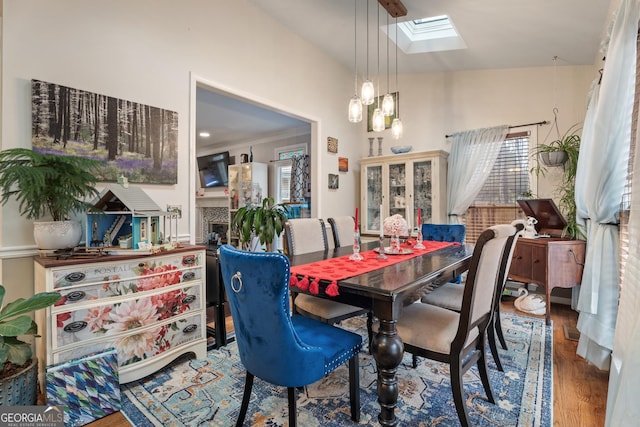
(126, 217)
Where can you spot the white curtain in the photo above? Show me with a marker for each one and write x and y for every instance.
(473, 154)
(600, 180)
(622, 407)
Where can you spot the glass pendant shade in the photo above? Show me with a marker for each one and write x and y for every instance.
(387, 105)
(378, 120)
(367, 92)
(355, 109)
(397, 128)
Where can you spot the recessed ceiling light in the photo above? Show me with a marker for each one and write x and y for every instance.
(205, 134)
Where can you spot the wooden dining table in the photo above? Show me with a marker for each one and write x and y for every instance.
(385, 291)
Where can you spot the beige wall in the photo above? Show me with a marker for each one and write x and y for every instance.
(148, 51)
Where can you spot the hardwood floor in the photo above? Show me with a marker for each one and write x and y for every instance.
(579, 389)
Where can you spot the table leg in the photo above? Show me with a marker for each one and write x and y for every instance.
(387, 350)
(547, 313)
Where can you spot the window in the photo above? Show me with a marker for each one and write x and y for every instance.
(509, 180)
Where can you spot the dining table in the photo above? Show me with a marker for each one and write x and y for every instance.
(385, 291)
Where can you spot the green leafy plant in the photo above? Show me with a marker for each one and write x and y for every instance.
(47, 183)
(569, 143)
(265, 221)
(15, 321)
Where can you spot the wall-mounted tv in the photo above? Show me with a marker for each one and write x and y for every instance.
(213, 170)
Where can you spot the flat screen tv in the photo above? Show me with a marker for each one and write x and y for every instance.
(213, 170)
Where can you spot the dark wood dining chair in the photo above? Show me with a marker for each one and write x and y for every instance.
(459, 339)
(450, 296)
(288, 351)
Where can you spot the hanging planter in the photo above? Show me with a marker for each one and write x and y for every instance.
(553, 158)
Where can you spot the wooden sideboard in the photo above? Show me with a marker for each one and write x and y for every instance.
(548, 262)
(150, 308)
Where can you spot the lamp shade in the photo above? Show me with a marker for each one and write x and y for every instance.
(396, 128)
(378, 120)
(355, 109)
(387, 105)
(367, 92)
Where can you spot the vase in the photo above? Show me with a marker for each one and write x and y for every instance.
(394, 244)
(50, 235)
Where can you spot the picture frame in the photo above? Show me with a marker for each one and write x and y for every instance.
(333, 181)
(332, 145)
(343, 164)
(388, 120)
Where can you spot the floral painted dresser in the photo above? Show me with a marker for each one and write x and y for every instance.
(150, 308)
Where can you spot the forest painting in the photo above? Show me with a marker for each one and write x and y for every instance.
(132, 140)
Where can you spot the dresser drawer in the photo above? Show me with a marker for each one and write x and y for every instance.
(104, 319)
(143, 343)
(115, 286)
(149, 273)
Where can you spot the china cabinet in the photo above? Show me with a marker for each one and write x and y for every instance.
(248, 185)
(403, 184)
(150, 308)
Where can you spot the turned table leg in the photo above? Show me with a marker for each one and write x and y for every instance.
(387, 350)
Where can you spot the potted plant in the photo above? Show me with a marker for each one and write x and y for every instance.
(566, 147)
(48, 185)
(265, 222)
(16, 360)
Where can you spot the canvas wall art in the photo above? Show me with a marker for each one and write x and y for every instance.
(137, 141)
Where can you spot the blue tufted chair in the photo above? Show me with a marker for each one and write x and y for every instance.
(288, 351)
(445, 233)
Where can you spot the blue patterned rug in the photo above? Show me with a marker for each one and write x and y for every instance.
(208, 392)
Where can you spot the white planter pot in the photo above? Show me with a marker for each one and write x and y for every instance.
(57, 234)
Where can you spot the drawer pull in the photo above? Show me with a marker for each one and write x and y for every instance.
(75, 326)
(76, 295)
(189, 275)
(188, 260)
(190, 328)
(188, 299)
(74, 277)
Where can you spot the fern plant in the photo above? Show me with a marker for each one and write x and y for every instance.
(47, 184)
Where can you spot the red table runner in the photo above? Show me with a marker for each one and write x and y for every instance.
(308, 276)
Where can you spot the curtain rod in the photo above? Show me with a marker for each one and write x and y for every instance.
(544, 122)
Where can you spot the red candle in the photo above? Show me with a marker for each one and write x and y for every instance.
(419, 218)
(356, 224)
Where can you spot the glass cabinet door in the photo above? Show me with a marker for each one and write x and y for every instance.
(397, 190)
(422, 192)
(374, 198)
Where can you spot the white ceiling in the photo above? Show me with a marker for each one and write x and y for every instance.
(498, 34)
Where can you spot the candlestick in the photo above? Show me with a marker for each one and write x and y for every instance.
(355, 256)
(381, 254)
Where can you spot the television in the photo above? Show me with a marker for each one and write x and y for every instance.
(213, 170)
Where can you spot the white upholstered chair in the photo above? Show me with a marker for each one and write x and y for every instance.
(459, 339)
(303, 235)
(450, 296)
(342, 229)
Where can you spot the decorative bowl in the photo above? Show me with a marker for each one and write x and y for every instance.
(399, 149)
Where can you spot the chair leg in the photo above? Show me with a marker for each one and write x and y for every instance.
(458, 391)
(248, 385)
(494, 348)
(293, 412)
(414, 361)
(484, 371)
(498, 327)
(370, 328)
(354, 387)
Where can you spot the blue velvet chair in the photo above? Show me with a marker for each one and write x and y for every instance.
(288, 351)
(445, 233)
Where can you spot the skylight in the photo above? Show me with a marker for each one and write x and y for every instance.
(430, 34)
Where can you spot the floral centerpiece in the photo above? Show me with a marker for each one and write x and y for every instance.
(395, 226)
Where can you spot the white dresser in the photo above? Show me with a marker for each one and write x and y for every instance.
(150, 308)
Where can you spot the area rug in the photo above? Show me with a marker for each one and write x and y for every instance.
(192, 392)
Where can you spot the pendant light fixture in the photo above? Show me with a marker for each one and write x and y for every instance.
(387, 101)
(378, 116)
(367, 93)
(397, 128)
(355, 104)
